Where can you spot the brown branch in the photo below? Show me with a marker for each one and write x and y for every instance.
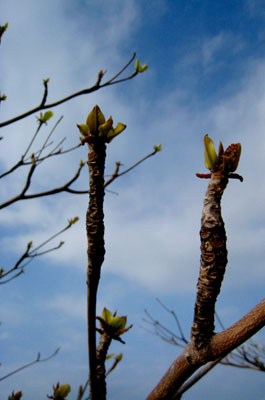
(94, 88)
(116, 173)
(247, 357)
(194, 379)
(96, 249)
(23, 161)
(219, 346)
(101, 354)
(31, 253)
(63, 188)
(213, 261)
(224, 342)
(82, 390)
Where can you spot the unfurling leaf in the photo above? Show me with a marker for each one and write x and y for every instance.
(107, 315)
(48, 115)
(84, 129)
(44, 118)
(109, 356)
(72, 221)
(94, 119)
(209, 153)
(118, 322)
(112, 133)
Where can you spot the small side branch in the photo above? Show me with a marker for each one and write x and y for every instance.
(63, 188)
(97, 86)
(38, 360)
(31, 253)
(116, 174)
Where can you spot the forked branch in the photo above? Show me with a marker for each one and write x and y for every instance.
(43, 106)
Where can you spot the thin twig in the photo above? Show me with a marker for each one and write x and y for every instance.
(63, 188)
(38, 359)
(32, 253)
(94, 88)
(116, 173)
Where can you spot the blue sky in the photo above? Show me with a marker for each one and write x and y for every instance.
(206, 75)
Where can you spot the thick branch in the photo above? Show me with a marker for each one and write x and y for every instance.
(213, 261)
(226, 341)
(96, 248)
(220, 345)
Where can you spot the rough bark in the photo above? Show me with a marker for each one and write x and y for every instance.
(213, 261)
(204, 345)
(96, 248)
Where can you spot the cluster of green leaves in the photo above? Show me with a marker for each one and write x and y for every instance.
(113, 325)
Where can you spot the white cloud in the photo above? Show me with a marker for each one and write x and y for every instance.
(68, 305)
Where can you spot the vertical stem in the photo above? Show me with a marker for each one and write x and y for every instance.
(102, 349)
(213, 261)
(96, 248)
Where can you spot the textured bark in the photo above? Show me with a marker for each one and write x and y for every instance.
(96, 248)
(213, 261)
(204, 345)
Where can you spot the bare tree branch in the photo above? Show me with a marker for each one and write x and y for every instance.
(63, 188)
(31, 253)
(38, 360)
(97, 86)
(220, 345)
(116, 174)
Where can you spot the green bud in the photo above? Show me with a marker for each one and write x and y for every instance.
(3, 28)
(62, 392)
(94, 119)
(158, 147)
(29, 245)
(139, 68)
(119, 357)
(72, 221)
